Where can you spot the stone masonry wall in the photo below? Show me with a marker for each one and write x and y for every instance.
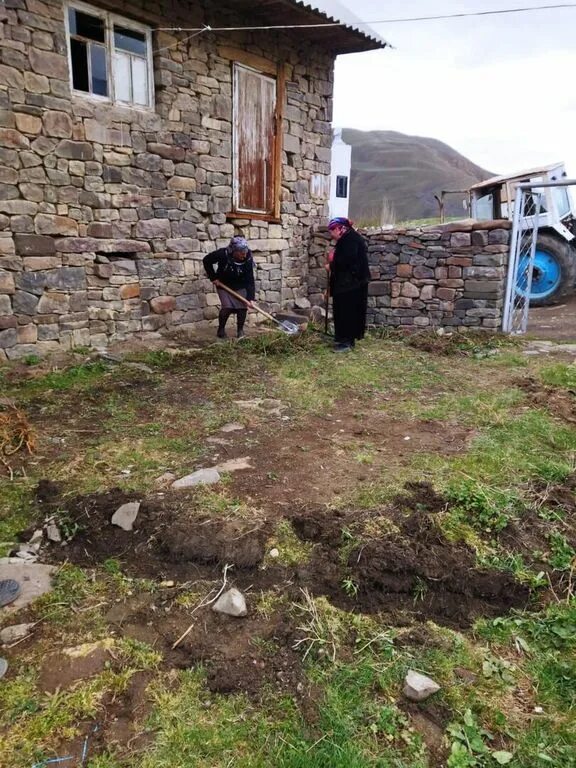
(447, 276)
(106, 211)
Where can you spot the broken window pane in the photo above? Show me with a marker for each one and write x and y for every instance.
(129, 40)
(79, 55)
(83, 25)
(99, 75)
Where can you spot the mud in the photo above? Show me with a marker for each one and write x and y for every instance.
(561, 403)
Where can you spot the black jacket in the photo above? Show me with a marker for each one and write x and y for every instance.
(234, 274)
(349, 269)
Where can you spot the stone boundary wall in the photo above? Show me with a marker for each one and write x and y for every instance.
(106, 211)
(453, 275)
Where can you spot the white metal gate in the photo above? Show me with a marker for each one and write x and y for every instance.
(529, 211)
(527, 208)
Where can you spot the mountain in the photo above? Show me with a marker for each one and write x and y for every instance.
(407, 171)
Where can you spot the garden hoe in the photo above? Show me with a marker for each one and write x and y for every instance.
(285, 325)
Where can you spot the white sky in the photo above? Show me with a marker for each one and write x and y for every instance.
(499, 89)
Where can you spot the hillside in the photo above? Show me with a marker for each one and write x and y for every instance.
(408, 171)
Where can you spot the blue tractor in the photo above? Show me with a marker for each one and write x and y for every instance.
(554, 273)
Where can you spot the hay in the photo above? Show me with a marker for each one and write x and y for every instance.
(16, 434)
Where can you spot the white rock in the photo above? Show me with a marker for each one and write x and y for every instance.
(14, 633)
(165, 480)
(53, 532)
(200, 477)
(418, 687)
(302, 303)
(231, 603)
(274, 553)
(233, 465)
(232, 427)
(125, 515)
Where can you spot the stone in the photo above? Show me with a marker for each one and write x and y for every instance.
(50, 224)
(52, 303)
(231, 603)
(49, 64)
(274, 553)
(74, 150)
(302, 303)
(165, 480)
(6, 283)
(8, 338)
(28, 123)
(34, 245)
(125, 516)
(35, 579)
(13, 139)
(233, 465)
(5, 305)
(15, 633)
(24, 303)
(130, 291)
(200, 477)
(150, 228)
(162, 304)
(418, 687)
(232, 427)
(53, 532)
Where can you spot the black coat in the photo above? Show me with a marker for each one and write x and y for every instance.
(234, 274)
(349, 269)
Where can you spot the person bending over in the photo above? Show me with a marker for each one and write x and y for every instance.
(233, 267)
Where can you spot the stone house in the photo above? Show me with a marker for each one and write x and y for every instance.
(135, 137)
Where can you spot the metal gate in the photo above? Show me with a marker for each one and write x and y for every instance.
(529, 209)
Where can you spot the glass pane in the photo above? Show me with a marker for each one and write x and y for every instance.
(485, 207)
(122, 79)
(139, 81)
(79, 57)
(86, 26)
(129, 40)
(99, 75)
(562, 200)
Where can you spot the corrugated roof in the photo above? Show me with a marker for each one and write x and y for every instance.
(334, 10)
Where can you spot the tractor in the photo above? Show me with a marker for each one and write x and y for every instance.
(554, 272)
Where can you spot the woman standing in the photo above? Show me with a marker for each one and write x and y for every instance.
(349, 278)
(234, 269)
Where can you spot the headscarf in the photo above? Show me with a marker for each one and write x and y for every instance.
(237, 244)
(340, 221)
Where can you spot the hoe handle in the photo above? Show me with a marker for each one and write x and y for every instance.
(245, 301)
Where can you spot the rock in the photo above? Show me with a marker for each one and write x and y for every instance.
(125, 515)
(34, 578)
(274, 553)
(53, 532)
(232, 603)
(14, 633)
(233, 465)
(418, 687)
(217, 441)
(165, 480)
(232, 427)
(302, 303)
(200, 477)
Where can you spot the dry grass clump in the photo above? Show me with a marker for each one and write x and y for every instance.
(16, 434)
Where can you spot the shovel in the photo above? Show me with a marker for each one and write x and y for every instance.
(285, 325)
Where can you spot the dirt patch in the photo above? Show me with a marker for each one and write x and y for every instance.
(62, 670)
(412, 567)
(559, 402)
(557, 323)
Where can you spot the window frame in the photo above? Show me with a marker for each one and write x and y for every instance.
(274, 71)
(110, 20)
(341, 180)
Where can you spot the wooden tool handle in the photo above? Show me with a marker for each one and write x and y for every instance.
(255, 306)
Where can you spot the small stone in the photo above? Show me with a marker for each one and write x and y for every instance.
(233, 465)
(418, 687)
(53, 532)
(165, 480)
(14, 633)
(166, 584)
(232, 427)
(274, 553)
(200, 477)
(302, 303)
(232, 603)
(125, 515)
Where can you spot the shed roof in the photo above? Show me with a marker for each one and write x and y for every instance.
(353, 36)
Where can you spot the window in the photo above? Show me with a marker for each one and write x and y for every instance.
(341, 186)
(110, 57)
(256, 161)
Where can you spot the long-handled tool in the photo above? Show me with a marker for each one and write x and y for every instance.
(285, 325)
(326, 307)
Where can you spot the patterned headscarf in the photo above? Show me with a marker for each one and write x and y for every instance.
(340, 221)
(238, 244)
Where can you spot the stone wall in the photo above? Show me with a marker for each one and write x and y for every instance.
(447, 276)
(106, 211)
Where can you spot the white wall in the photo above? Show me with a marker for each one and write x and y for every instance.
(341, 165)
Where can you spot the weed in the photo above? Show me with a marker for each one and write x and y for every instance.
(291, 550)
(562, 556)
(420, 590)
(350, 587)
(559, 375)
(487, 509)
(469, 747)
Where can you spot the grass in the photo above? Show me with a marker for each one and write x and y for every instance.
(102, 425)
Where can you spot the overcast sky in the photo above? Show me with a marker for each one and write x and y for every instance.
(499, 89)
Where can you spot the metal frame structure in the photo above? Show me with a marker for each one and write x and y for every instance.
(526, 221)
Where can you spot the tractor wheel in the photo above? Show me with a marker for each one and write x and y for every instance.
(554, 272)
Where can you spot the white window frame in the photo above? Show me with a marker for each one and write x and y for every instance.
(110, 19)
